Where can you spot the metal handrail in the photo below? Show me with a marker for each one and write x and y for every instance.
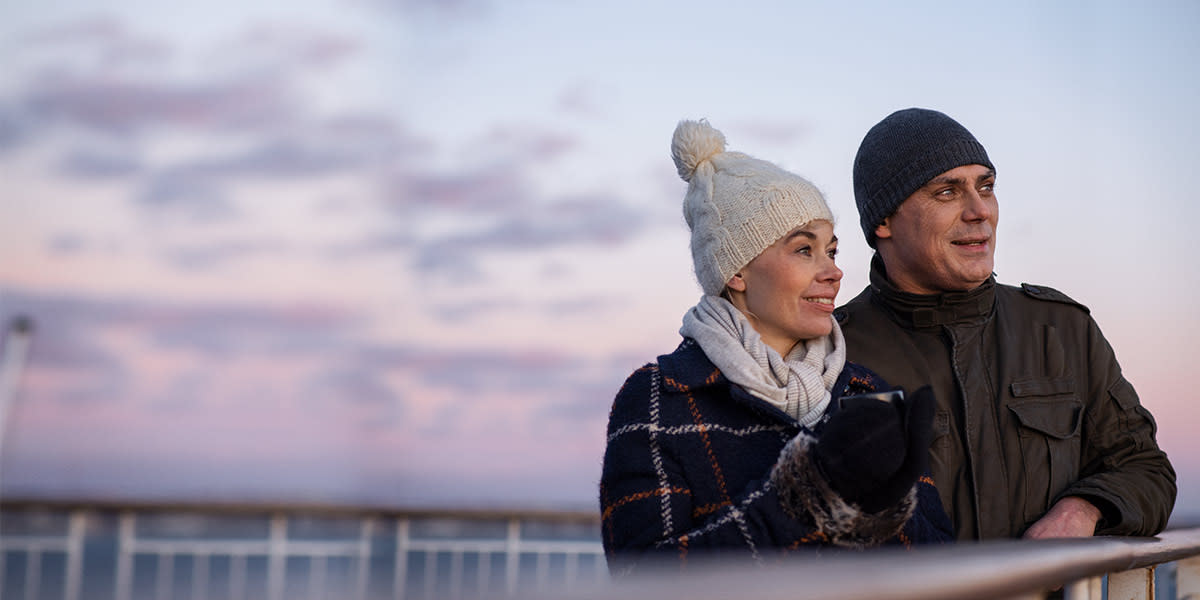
(994, 569)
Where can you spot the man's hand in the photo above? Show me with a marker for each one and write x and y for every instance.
(1070, 517)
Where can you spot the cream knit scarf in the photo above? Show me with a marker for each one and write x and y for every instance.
(798, 385)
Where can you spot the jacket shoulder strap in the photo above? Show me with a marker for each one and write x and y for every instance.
(1049, 294)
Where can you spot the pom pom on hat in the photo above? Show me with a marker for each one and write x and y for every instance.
(693, 143)
(736, 205)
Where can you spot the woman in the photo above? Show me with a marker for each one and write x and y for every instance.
(755, 434)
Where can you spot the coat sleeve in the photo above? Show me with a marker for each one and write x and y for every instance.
(1123, 471)
(929, 524)
(647, 506)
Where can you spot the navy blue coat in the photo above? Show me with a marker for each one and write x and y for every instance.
(695, 463)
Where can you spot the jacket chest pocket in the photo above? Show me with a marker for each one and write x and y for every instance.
(1048, 418)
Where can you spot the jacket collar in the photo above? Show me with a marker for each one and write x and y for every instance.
(933, 310)
(688, 369)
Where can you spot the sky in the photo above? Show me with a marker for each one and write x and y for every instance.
(404, 253)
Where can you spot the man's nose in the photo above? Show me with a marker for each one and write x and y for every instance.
(978, 207)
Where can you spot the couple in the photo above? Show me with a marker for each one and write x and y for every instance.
(776, 427)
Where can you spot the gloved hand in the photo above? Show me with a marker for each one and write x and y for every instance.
(872, 452)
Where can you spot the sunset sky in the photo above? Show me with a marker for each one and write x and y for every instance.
(404, 253)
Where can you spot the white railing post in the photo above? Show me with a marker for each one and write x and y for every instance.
(1134, 584)
(277, 556)
(1089, 588)
(125, 539)
(400, 578)
(363, 560)
(75, 530)
(512, 557)
(1187, 578)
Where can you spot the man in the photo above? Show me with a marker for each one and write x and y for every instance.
(1037, 433)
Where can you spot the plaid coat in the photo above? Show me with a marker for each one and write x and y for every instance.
(695, 462)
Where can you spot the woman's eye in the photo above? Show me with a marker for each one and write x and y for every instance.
(805, 250)
(833, 252)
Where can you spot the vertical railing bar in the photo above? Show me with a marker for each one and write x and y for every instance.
(276, 556)
(512, 556)
(400, 574)
(363, 563)
(75, 531)
(1082, 589)
(125, 534)
(1134, 584)
(1187, 578)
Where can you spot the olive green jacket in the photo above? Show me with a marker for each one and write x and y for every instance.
(1032, 405)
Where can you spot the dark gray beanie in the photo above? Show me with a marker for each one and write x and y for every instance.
(902, 153)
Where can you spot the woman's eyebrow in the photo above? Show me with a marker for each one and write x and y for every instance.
(808, 234)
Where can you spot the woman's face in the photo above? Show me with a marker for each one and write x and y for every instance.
(787, 292)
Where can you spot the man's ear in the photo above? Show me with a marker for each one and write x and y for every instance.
(736, 283)
(884, 229)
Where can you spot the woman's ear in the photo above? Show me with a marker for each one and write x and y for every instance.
(736, 283)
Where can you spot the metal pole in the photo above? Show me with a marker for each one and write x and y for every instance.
(12, 362)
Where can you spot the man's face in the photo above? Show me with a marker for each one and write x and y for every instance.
(942, 238)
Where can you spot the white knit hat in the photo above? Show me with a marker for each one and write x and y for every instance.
(736, 205)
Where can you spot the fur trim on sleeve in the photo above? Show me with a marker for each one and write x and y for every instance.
(805, 494)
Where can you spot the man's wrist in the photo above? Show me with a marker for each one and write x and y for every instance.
(1108, 514)
(1082, 508)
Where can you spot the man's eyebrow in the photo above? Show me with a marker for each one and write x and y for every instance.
(944, 179)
